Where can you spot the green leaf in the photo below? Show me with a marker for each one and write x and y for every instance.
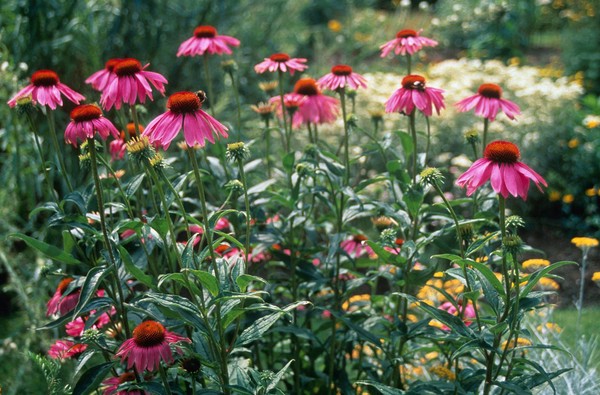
(135, 271)
(92, 280)
(406, 141)
(277, 378)
(208, 280)
(384, 389)
(413, 199)
(133, 185)
(174, 306)
(537, 276)
(261, 187)
(49, 250)
(288, 162)
(91, 378)
(258, 328)
(243, 280)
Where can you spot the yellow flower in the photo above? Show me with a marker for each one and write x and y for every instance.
(568, 198)
(521, 342)
(584, 242)
(547, 284)
(554, 196)
(443, 372)
(590, 192)
(591, 121)
(353, 303)
(532, 265)
(334, 25)
(573, 143)
(596, 277)
(549, 327)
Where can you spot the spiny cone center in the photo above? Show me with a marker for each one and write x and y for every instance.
(184, 102)
(85, 112)
(491, 91)
(307, 87)
(406, 33)
(126, 377)
(502, 152)
(44, 78)
(359, 238)
(127, 67)
(280, 57)
(342, 70)
(413, 81)
(205, 32)
(148, 334)
(62, 286)
(131, 129)
(111, 63)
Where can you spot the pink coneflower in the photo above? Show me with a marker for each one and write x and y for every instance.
(291, 102)
(76, 327)
(184, 113)
(356, 247)
(413, 94)
(117, 148)
(222, 225)
(63, 349)
(282, 62)
(86, 120)
(500, 164)
(317, 107)
(130, 84)
(488, 102)
(61, 303)
(45, 88)
(206, 40)
(468, 312)
(113, 383)
(149, 345)
(101, 78)
(340, 77)
(407, 41)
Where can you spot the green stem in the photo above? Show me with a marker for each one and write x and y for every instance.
(428, 139)
(163, 201)
(234, 82)
(53, 193)
(408, 63)
(113, 262)
(165, 380)
(486, 125)
(342, 92)
(121, 191)
(581, 290)
(211, 98)
(202, 196)
(247, 204)
(63, 169)
(413, 132)
(268, 147)
(286, 140)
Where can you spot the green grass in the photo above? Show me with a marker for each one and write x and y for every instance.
(567, 320)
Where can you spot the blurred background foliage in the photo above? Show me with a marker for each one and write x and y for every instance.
(76, 37)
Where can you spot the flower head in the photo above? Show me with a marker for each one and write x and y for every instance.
(60, 302)
(488, 102)
(206, 40)
(113, 383)
(500, 164)
(184, 112)
(101, 78)
(149, 345)
(407, 41)
(316, 107)
(584, 242)
(86, 121)
(342, 76)
(63, 349)
(281, 62)
(413, 94)
(356, 246)
(131, 83)
(45, 88)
